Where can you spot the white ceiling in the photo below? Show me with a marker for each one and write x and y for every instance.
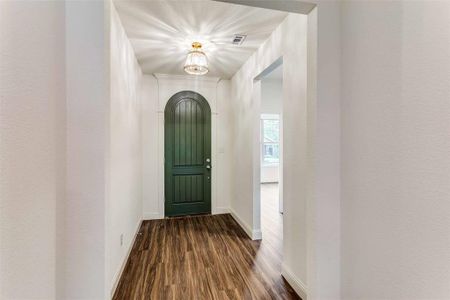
(161, 32)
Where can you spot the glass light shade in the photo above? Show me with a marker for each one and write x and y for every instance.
(196, 61)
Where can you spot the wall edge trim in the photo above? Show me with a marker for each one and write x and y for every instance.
(253, 234)
(152, 216)
(118, 274)
(221, 210)
(299, 287)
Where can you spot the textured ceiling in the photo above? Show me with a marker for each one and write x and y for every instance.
(161, 33)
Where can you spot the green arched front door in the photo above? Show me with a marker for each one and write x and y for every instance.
(187, 153)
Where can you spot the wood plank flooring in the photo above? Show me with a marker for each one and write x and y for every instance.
(271, 220)
(203, 257)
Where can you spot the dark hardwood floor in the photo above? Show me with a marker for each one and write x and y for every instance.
(203, 257)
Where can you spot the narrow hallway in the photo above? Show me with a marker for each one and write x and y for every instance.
(141, 142)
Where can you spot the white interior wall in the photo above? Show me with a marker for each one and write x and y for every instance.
(324, 96)
(87, 141)
(324, 139)
(289, 41)
(271, 95)
(395, 150)
(225, 139)
(150, 203)
(156, 92)
(125, 156)
(32, 148)
(271, 100)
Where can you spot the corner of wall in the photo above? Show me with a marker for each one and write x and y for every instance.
(299, 287)
(125, 164)
(254, 234)
(119, 272)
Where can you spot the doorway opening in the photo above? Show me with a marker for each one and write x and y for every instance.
(271, 160)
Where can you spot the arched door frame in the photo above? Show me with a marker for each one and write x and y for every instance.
(168, 85)
(205, 170)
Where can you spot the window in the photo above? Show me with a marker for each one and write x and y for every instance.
(270, 139)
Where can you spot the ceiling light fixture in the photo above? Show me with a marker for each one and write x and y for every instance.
(196, 61)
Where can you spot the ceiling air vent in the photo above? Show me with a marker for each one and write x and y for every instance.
(238, 39)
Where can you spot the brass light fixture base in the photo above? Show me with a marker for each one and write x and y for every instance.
(196, 45)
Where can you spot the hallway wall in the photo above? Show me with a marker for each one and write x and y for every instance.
(324, 96)
(32, 149)
(87, 149)
(395, 150)
(290, 41)
(150, 204)
(125, 150)
(53, 150)
(271, 95)
(156, 92)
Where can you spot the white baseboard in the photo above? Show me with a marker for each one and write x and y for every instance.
(253, 234)
(221, 210)
(124, 262)
(256, 234)
(153, 216)
(299, 287)
(157, 216)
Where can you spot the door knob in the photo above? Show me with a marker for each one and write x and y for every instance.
(208, 166)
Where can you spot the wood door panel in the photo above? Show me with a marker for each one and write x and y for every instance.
(187, 149)
(189, 134)
(188, 189)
